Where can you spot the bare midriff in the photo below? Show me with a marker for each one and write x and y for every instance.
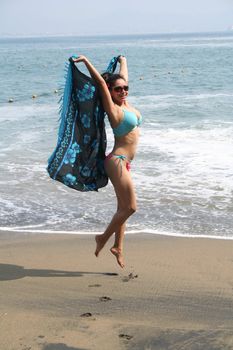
(127, 144)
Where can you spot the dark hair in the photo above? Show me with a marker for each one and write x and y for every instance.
(110, 78)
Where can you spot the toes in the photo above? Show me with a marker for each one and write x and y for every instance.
(99, 244)
(118, 256)
(121, 264)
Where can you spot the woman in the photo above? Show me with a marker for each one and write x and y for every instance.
(124, 120)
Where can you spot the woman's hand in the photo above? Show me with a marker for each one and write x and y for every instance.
(80, 58)
(121, 59)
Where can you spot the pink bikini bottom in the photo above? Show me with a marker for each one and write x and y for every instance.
(121, 158)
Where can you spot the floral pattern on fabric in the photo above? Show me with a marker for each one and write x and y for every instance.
(69, 180)
(86, 93)
(78, 159)
(85, 171)
(76, 148)
(70, 157)
(86, 139)
(72, 153)
(86, 121)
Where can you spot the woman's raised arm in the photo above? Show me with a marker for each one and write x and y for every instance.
(108, 104)
(123, 68)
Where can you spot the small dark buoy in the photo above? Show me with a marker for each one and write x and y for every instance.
(34, 96)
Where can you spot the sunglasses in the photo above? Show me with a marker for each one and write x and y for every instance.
(121, 88)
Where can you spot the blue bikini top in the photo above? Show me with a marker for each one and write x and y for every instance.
(129, 122)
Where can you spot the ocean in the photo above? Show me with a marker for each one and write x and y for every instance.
(183, 171)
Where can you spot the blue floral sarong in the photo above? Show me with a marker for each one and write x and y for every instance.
(78, 159)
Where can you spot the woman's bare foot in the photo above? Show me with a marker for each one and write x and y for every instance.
(100, 242)
(118, 254)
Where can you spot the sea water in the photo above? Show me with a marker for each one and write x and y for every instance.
(183, 171)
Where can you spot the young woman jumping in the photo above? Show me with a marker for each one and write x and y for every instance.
(124, 120)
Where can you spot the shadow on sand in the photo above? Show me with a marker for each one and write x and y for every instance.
(60, 346)
(13, 272)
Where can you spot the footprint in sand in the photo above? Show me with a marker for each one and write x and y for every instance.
(86, 314)
(105, 298)
(131, 276)
(125, 336)
(94, 285)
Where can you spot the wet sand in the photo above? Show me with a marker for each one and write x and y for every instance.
(174, 293)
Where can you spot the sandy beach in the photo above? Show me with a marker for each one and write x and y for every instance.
(174, 293)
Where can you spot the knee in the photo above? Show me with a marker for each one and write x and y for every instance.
(133, 209)
(130, 210)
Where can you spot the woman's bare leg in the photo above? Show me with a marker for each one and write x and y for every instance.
(119, 237)
(123, 185)
(117, 248)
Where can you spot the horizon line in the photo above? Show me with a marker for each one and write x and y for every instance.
(18, 36)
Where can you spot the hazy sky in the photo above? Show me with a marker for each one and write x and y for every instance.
(58, 17)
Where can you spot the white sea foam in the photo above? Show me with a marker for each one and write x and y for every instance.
(190, 162)
(153, 99)
(21, 112)
(149, 231)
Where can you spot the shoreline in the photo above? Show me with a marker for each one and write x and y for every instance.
(92, 233)
(174, 293)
